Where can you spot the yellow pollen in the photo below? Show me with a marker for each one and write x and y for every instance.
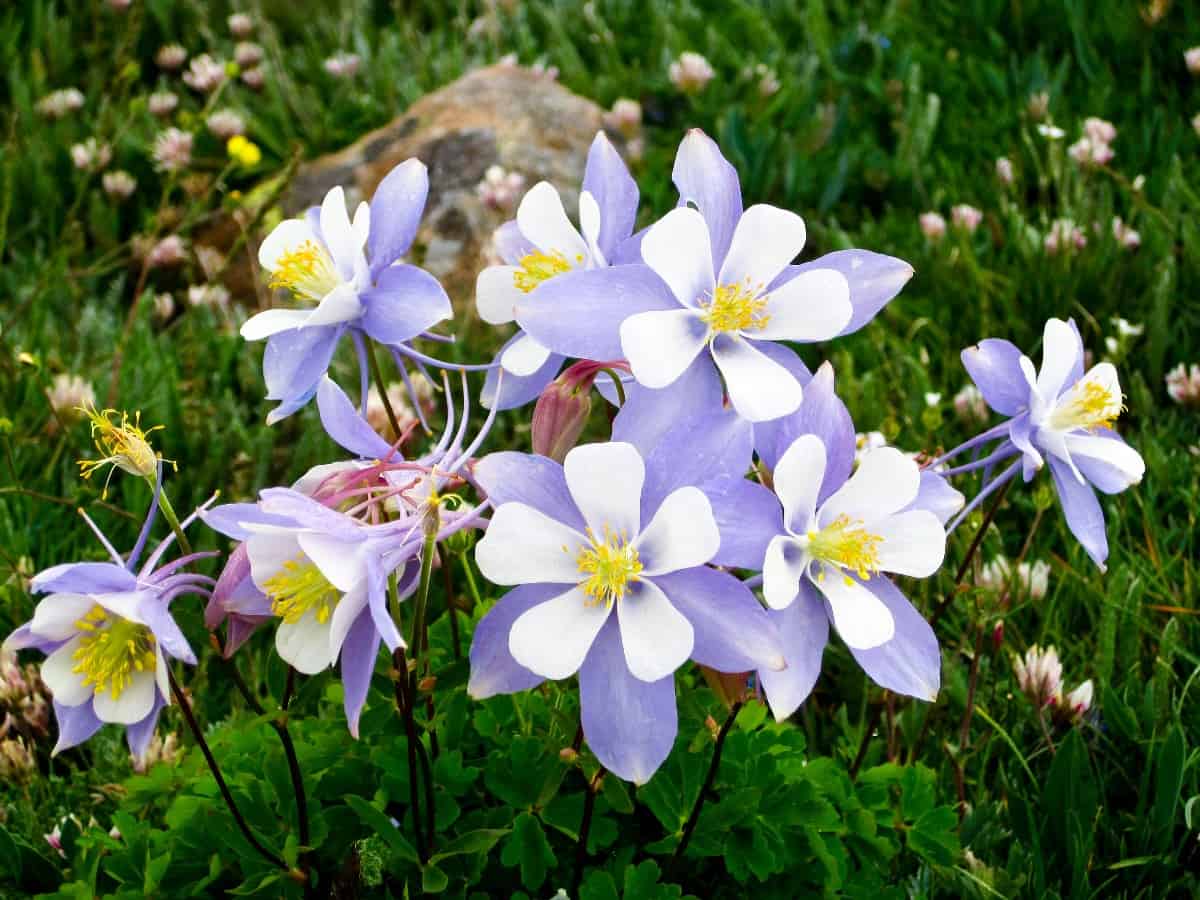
(306, 271)
(299, 587)
(124, 445)
(611, 566)
(1089, 405)
(537, 267)
(845, 543)
(112, 651)
(736, 307)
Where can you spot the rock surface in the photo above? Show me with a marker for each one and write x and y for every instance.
(505, 116)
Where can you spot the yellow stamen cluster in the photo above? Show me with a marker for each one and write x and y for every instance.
(123, 444)
(299, 587)
(847, 544)
(537, 267)
(611, 564)
(112, 651)
(736, 307)
(1090, 405)
(306, 271)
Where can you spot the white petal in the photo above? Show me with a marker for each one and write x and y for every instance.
(914, 543)
(885, 482)
(682, 534)
(134, 703)
(497, 295)
(305, 644)
(361, 226)
(272, 321)
(760, 389)
(605, 481)
(525, 546)
(798, 477)
(524, 356)
(765, 240)
(677, 247)
(283, 239)
(813, 306)
(544, 223)
(589, 224)
(657, 637)
(782, 569)
(66, 686)
(338, 233)
(340, 562)
(1060, 351)
(1117, 454)
(339, 305)
(122, 603)
(55, 616)
(268, 551)
(860, 617)
(160, 673)
(661, 344)
(553, 638)
(345, 615)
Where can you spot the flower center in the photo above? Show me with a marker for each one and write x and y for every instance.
(847, 544)
(298, 588)
(736, 307)
(112, 651)
(611, 565)
(306, 271)
(537, 267)
(1089, 405)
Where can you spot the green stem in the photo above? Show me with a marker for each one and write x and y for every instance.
(616, 383)
(377, 375)
(472, 586)
(419, 643)
(168, 512)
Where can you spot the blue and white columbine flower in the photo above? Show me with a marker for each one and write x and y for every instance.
(345, 275)
(611, 583)
(542, 244)
(1061, 416)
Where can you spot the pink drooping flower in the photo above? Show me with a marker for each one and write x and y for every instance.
(170, 251)
(254, 78)
(500, 190)
(969, 405)
(1039, 675)
(625, 117)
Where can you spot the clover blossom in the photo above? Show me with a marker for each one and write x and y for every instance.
(610, 583)
(715, 290)
(1060, 415)
(540, 246)
(108, 636)
(344, 275)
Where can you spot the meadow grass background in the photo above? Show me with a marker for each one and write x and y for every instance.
(884, 111)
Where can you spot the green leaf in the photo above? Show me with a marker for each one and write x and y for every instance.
(934, 836)
(599, 886)
(1168, 783)
(377, 821)
(528, 848)
(433, 879)
(479, 841)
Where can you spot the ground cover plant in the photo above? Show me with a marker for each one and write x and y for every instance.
(811, 514)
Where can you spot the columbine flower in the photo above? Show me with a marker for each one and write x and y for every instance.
(108, 634)
(343, 65)
(162, 103)
(966, 217)
(1004, 170)
(500, 189)
(1127, 237)
(1062, 416)
(247, 54)
(240, 25)
(865, 442)
(611, 585)
(625, 118)
(225, 123)
(170, 57)
(1039, 675)
(345, 275)
(969, 405)
(60, 103)
(541, 246)
(91, 155)
(1064, 236)
(173, 150)
(933, 226)
(691, 72)
(119, 185)
(204, 74)
(1183, 384)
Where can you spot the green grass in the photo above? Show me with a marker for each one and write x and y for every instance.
(886, 110)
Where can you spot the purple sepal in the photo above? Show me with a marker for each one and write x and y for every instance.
(75, 725)
(509, 477)
(138, 735)
(1081, 509)
(84, 578)
(911, 662)
(493, 669)
(396, 211)
(345, 426)
(707, 180)
(994, 365)
(359, 652)
(517, 390)
(748, 516)
(607, 179)
(804, 632)
(936, 495)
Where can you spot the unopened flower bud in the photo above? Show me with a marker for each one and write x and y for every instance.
(427, 684)
(1078, 702)
(460, 541)
(997, 634)
(568, 754)
(560, 416)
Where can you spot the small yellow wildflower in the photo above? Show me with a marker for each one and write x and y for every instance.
(243, 151)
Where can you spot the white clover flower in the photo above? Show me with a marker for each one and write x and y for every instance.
(162, 103)
(225, 123)
(247, 54)
(68, 393)
(173, 150)
(60, 103)
(91, 155)
(1183, 384)
(933, 226)
(170, 57)
(1038, 105)
(1039, 675)
(1004, 170)
(1051, 132)
(1126, 237)
(214, 296)
(966, 217)
(240, 25)
(969, 405)
(691, 72)
(343, 65)
(625, 117)
(119, 185)
(204, 74)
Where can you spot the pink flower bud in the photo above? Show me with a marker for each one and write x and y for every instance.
(560, 416)
(997, 634)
